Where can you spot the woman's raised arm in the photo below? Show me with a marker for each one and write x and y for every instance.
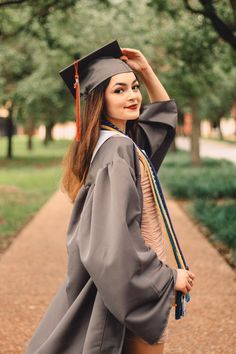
(137, 61)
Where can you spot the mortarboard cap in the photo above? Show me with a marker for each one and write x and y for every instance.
(85, 74)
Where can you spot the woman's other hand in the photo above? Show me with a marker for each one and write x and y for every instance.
(184, 280)
(135, 59)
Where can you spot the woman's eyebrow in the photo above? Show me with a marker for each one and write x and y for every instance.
(124, 84)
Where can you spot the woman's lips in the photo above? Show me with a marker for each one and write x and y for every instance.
(133, 107)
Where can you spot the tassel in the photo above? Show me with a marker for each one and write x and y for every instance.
(77, 101)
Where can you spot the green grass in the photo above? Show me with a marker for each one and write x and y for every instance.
(209, 192)
(40, 154)
(26, 182)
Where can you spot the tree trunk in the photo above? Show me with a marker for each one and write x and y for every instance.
(30, 142)
(9, 131)
(48, 133)
(234, 114)
(219, 127)
(195, 136)
(30, 132)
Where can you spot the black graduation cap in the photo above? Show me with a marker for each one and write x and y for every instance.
(85, 74)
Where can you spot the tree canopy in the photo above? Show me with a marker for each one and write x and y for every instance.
(38, 39)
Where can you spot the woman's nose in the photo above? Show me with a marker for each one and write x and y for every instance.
(131, 94)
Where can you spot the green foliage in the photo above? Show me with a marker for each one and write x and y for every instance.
(192, 50)
(210, 190)
(39, 39)
(214, 179)
(219, 14)
(29, 62)
(218, 218)
(198, 63)
(219, 100)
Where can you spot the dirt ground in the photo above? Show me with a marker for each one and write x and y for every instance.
(34, 266)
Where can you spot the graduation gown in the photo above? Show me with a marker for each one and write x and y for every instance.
(114, 281)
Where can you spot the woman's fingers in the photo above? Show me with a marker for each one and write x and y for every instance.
(188, 286)
(129, 50)
(135, 59)
(189, 281)
(185, 280)
(192, 275)
(132, 53)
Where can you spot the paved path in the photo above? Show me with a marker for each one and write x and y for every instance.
(30, 272)
(35, 265)
(210, 148)
(209, 326)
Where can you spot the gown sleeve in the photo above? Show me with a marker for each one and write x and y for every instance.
(136, 287)
(156, 129)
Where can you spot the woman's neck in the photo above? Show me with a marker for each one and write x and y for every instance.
(120, 123)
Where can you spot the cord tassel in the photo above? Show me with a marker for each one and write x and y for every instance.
(77, 101)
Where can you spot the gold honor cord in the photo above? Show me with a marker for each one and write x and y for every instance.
(177, 254)
(158, 202)
(180, 298)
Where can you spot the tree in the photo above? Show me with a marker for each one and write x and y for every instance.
(182, 49)
(220, 100)
(28, 60)
(224, 24)
(192, 49)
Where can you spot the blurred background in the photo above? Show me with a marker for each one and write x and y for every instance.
(191, 47)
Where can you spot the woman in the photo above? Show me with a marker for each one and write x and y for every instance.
(119, 292)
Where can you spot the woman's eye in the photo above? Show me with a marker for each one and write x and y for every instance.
(136, 87)
(119, 90)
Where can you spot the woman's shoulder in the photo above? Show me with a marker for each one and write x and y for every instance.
(114, 148)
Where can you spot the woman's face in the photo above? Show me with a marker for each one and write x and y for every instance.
(122, 99)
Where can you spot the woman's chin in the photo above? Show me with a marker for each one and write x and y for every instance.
(133, 118)
(132, 115)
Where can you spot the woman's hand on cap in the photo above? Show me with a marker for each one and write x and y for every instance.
(135, 59)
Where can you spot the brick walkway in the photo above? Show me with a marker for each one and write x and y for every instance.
(35, 265)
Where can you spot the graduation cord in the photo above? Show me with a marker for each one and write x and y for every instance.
(159, 198)
(160, 201)
(163, 207)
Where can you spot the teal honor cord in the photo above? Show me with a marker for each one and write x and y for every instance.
(180, 299)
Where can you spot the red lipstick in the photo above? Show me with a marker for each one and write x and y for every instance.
(133, 107)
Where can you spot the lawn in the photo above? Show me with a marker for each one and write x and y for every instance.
(26, 182)
(208, 194)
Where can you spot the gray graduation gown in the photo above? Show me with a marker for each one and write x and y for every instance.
(114, 280)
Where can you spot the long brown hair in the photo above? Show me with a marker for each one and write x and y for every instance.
(78, 156)
(77, 159)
